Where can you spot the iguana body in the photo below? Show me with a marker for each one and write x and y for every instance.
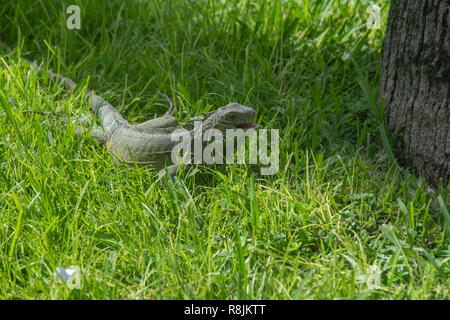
(149, 143)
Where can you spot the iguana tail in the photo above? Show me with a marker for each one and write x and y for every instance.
(110, 118)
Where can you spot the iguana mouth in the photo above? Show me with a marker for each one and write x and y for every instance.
(248, 126)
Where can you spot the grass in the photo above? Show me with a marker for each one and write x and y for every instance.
(339, 221)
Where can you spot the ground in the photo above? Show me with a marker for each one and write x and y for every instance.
(340, 220)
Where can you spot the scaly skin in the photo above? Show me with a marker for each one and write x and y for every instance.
(148, 143)
(152, 146)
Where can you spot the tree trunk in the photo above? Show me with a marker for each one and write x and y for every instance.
(415, 84)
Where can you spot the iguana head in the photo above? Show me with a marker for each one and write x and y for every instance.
(233, 115)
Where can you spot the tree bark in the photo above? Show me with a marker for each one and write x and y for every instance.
(415, 85)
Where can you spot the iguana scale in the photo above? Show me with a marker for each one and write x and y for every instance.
(149, 143)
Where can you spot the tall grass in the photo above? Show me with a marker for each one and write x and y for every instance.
(339, 221)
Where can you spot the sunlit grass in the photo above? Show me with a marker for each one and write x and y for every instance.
(339, 221)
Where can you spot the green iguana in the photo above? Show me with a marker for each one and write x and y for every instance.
(150, 143)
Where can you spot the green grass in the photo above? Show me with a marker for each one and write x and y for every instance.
(338, 212)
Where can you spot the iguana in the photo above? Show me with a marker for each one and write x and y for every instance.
(149, 143)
